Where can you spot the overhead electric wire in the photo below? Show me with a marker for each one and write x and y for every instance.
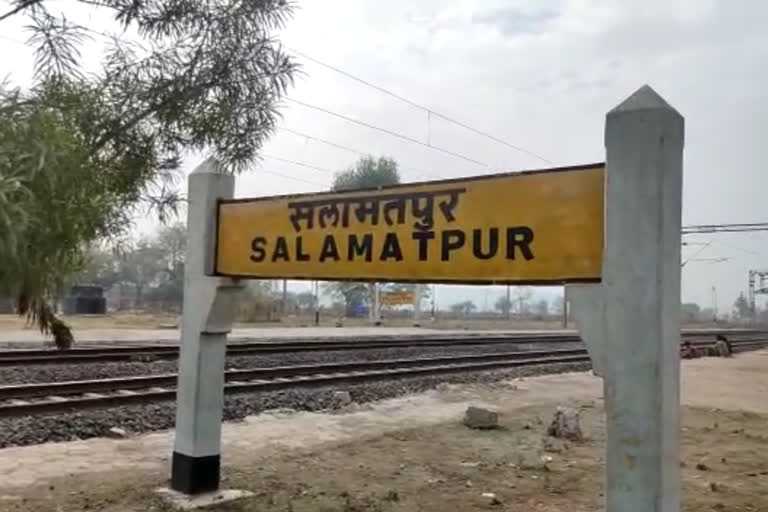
(294, 162)
(429, 111)
(710, 260)
(12, 40)
(347, 148)
(696, 253)
(388, 132)
(323, 141)
(725, 228)
(747, 251)
(295, 178)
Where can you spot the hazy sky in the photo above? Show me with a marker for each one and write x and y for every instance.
(539, 74)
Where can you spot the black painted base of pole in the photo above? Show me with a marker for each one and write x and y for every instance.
(195, 475)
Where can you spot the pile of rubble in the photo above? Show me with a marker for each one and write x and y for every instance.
(721, 348)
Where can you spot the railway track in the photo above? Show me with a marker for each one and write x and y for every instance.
(17, 357)
(133, 353)
(47, 398)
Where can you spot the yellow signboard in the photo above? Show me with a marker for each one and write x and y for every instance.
(532, 227)
(396, 298)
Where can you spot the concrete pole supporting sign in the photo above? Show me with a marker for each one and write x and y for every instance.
(631, 321)
(587, 308)
(208, 310)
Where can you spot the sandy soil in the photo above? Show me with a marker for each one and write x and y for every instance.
(116, 321)
(27, 338)
(126, 320)
(130, 321)
(413, 454)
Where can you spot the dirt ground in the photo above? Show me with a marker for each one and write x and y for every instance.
(153, 321)
(160, 321)
(414, 454)
(85, 322)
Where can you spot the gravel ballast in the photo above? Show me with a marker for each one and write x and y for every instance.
(159, 416)
(30, 374)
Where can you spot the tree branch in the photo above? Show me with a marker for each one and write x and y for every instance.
(19, 7)
(132, 122)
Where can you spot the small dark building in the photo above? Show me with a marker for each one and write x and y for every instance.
(85, 300)
(7, 306)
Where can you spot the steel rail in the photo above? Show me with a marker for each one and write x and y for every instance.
(22, 391)
(275, 378)
(20, 357)
(116, 354)
(304, 377)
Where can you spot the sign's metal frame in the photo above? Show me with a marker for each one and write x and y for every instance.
(369, 278)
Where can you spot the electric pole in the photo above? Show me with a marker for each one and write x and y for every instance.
(284, 304)
(565, 307)
(508, 305)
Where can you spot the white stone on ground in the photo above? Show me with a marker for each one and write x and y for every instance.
(117, 433)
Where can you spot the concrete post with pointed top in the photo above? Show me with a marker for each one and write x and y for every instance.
(207, 316)
(641, 303)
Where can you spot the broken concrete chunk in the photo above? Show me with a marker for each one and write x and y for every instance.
(722, 348)
(341, 399)
(478, 417)
(566, 424)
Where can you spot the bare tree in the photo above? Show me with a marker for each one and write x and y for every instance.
(464, 308)
(558, 303)
(521, 295)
